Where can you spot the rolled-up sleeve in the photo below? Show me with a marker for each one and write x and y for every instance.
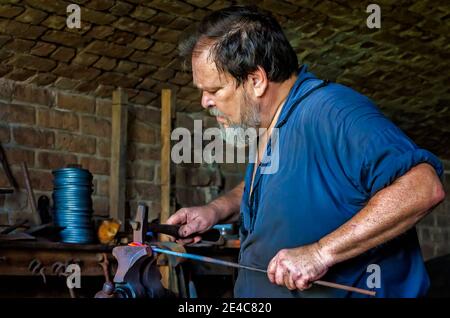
(388, 155)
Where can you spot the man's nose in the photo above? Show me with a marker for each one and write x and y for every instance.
(207, 102)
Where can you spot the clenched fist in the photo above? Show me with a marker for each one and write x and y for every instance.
(297, 268)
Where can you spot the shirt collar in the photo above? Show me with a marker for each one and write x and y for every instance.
(296, 92)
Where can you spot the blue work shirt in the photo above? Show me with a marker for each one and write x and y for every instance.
(335, 151)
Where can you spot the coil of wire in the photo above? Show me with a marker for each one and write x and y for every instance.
(72, 190)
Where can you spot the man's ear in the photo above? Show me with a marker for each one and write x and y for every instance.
(258, 81)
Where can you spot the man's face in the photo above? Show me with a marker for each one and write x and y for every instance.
(232, 106)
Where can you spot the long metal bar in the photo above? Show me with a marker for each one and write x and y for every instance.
(207, 259)
(35, 214)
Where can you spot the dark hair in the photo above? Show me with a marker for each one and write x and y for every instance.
(240, 39)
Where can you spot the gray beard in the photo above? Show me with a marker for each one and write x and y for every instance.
(243, 133)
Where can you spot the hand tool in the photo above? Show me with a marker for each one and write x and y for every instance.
(140, 224)
(48, 230)
(206, 259)
(141, 228)
(11, 228)
(36, 217)
(212, 235)
(8, 172)
(19, 236)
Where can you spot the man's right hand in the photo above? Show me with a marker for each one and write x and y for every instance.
(196, 219)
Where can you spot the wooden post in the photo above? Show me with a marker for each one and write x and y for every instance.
(117, 181)
(167, 103)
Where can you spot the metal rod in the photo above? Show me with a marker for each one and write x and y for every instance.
(206, 259)
(345, 287)
(35, 214)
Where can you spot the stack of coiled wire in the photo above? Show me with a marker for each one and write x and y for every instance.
(73, 204)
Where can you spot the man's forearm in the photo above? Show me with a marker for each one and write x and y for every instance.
(389, 213)
(228, 205)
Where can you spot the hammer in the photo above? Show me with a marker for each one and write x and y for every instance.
(212, 235)
(142, 228)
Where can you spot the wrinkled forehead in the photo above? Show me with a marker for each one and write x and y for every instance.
(203, 62)
(205, 72)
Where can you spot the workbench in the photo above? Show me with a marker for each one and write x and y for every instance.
(16, 274)
(30, 268)
(15, 256)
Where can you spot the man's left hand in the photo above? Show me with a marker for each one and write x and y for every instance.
(297, 268)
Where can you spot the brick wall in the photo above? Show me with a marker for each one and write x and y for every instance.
(199, 183)
(49, 129)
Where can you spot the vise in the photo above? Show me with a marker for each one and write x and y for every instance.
(137, 274)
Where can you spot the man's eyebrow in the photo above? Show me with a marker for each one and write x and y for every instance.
(206, 88)
(212, 88)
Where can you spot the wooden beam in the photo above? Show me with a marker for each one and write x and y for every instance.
(117, 180)
(167, 105)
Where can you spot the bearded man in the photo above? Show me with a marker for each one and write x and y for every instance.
(350, 185)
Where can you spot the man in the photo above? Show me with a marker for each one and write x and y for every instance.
(350, 185)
